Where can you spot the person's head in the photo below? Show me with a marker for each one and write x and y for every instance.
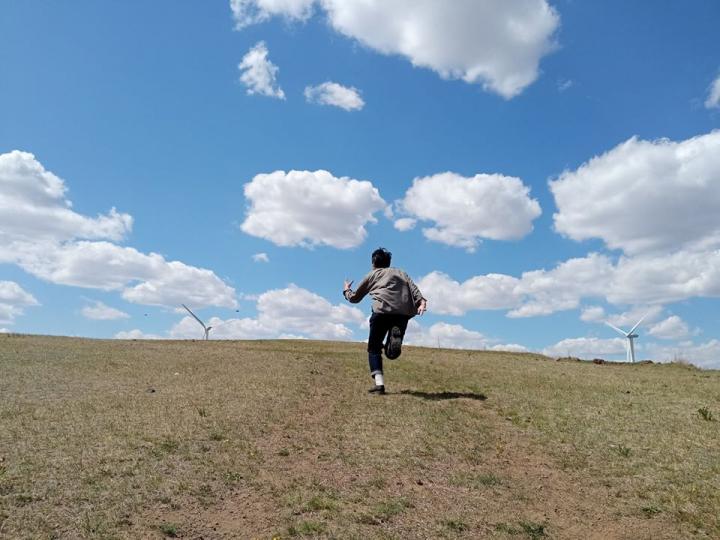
(381, 258)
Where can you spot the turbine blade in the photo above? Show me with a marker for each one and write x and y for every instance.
(616, 328)
(193, 315)
(638, 323)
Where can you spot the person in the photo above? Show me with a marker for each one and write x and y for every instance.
(396, 299)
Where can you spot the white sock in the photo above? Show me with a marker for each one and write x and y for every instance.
(379, 380)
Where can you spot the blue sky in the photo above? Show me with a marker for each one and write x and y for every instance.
(557, 162)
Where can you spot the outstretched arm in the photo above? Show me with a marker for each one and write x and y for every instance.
(355, 296)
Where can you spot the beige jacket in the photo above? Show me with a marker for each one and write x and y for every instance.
(392, 291)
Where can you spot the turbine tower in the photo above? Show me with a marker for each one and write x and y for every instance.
(630, 337)
(205, 328)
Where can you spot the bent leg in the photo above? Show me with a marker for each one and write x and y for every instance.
(393, 345)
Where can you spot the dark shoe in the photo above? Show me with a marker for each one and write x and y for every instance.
(377, 389)
(393, 348)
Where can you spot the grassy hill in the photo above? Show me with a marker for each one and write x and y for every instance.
(220, 439)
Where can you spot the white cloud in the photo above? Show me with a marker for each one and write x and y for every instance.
(261, 257)
(247, 12)
(12, 293)
(592, 314)
(584, 347)
(646, 281)
(548, 291)
(564, 84)
(666, 278)
(337, 95)
(405, 224)
(13, 298)
(449, 297)
(136, 334)
(143, 279)
(645, 196)
(39, 233)
(259, 74)
(538, 292)
(465, 210)
(304, 208)
(101, 312)
(630, 318)
(713, 99)
(446, 336)
(33, 206)
(509, 347)
(495, 43)
(454, 336)
(671, 328)
(704, 355)
(289, 312)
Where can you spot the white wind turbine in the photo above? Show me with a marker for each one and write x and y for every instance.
(630, 337)
(206, 328)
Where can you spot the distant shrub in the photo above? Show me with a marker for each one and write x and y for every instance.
(623, 450)
(533, 530)
(169, 529)
(705, 414)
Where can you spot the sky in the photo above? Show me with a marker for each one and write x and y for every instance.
(538, 167)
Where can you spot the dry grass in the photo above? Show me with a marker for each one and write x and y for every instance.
(113, 439)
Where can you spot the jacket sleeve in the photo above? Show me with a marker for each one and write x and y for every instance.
(414, 291)
(362, 289)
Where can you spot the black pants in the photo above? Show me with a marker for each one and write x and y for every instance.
(380, 325)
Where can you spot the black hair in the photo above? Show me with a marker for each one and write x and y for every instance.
(381, 258)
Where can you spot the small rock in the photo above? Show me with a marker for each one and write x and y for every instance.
(150, 390)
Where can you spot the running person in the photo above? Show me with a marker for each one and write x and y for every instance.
(396, 299)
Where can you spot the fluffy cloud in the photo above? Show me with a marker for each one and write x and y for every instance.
(13, 298)
(454, 336)
(645, 196)
(713, 99)
(136, 334)
(259, 74)
(261, 257)
(628, 319)
(562, 287)
(539, 292)
(40, 234)
(289, 312)
(495, 43)
(449, 297)
(704, 355)
(509, 347)
(592, 314)
(665, 278)
(671, 328)
(405, 224)
(446, 336)
(465, 210)
(33, 206)
(100, 312)
(646, 281)
(584, 347)
(247, 12)
(304, 208)
(337, 95)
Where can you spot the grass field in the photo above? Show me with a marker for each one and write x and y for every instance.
(221, 439)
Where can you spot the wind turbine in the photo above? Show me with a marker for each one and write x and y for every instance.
(206, 328)
(630, 337)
